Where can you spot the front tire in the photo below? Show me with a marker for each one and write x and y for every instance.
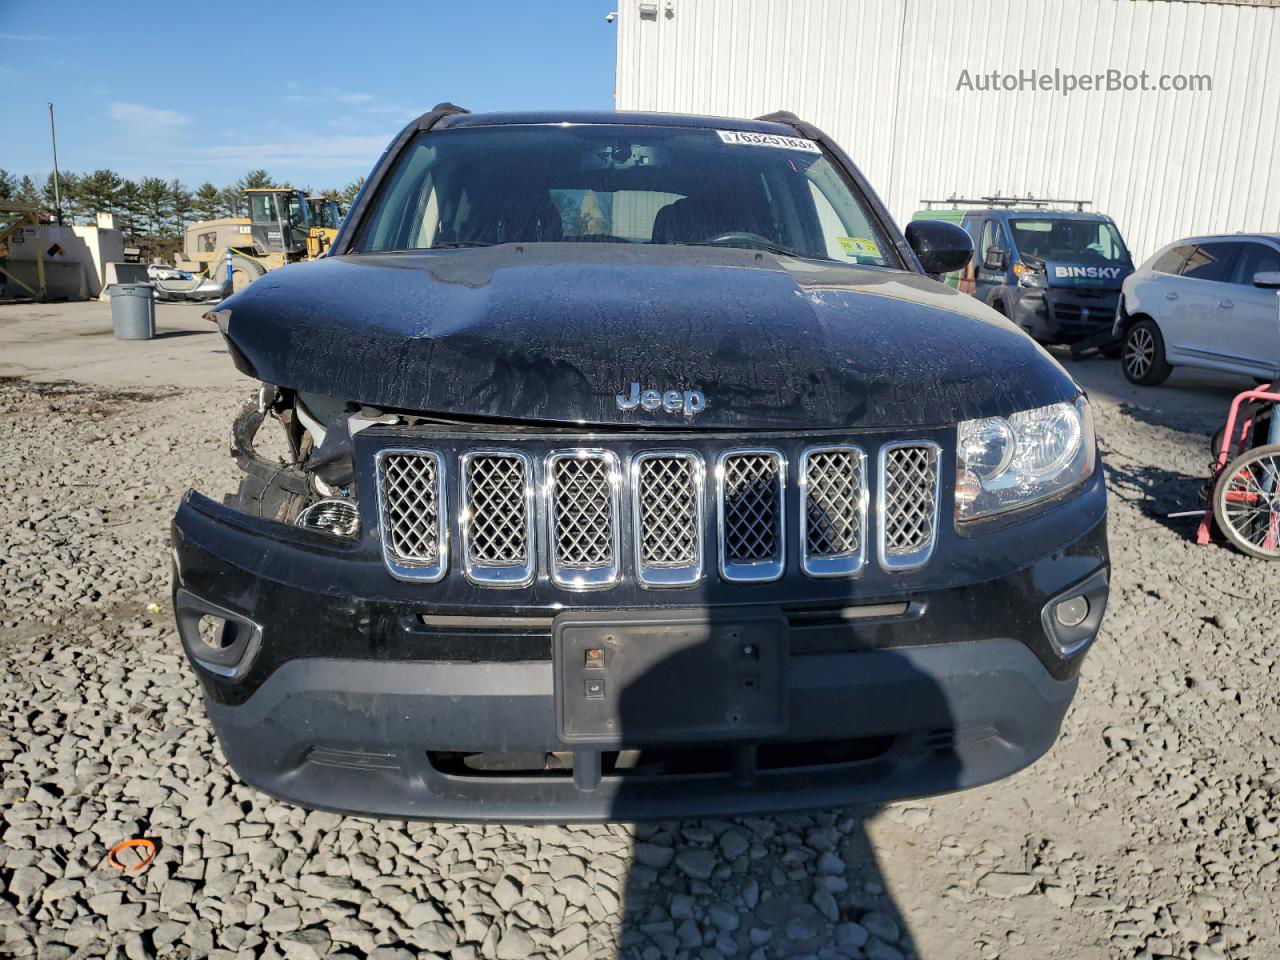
(243, 272)
(1142, 358)
(1246, 502)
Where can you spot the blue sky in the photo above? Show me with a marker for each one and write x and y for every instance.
(311, 91)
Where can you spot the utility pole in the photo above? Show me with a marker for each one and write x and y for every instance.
(57, 187)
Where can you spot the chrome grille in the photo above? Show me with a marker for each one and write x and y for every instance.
(833, 510)
(497, 517)
(411, 508)
(908, 504)
(668, 507)
(583, 499)
(750, 513)
(563, 510)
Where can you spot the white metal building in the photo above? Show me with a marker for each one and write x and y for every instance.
(886, 78)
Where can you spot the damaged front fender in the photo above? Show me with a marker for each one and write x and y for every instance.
(269, 489)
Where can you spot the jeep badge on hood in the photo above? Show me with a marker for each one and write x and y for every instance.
(672, 401)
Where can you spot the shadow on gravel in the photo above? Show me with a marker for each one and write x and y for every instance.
(167, 334)
(1159, 492)
(19, 395)
(768, 885)
(1198, 424)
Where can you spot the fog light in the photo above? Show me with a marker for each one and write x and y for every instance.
(216, 633)
(1072, 613)
(337, 517)
(222, 641)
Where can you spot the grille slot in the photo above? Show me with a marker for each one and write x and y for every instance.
(667, 500)
(497, 518)
(411, 507)
(349, 759)
(908, 504)
(750, 512)
(582, 498)
(833, 510)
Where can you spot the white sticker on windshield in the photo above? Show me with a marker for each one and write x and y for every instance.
(750, 139)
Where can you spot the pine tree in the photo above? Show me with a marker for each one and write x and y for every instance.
(155, 203)
(28, 192)
(255, 180)
(129, 203)
(347, 195)
(99, 191)
(8, 185)
(208, 203)
(68, 190)
(180, 201)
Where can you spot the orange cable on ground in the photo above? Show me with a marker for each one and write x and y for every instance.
(149, 854)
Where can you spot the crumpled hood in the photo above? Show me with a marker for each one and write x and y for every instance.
(552, 333)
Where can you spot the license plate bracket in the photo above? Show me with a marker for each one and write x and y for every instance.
(652, 678)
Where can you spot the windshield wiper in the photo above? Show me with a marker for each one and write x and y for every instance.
(453, 244)
(750, 245)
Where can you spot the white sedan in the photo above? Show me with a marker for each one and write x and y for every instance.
(1211, 302)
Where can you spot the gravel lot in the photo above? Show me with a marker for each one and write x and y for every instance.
(1151, 830)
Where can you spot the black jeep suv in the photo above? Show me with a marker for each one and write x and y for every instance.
(637, 468)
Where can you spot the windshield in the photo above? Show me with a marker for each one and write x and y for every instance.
(299, 214)
(1069, 241)
(324, 213)
(616, 183)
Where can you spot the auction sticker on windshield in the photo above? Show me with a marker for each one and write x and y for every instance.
(858, 246)
(750, 139)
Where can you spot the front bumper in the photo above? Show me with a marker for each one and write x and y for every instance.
(197, 290)
(351, 736)
(373, 703)
(1062, 316)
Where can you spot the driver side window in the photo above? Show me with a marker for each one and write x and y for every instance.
(1255, 258)
(1105, 243)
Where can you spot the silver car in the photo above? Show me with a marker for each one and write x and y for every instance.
(1210, 302)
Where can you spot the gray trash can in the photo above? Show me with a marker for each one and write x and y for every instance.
(133, 310)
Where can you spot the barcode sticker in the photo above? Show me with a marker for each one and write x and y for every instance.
(750, 139)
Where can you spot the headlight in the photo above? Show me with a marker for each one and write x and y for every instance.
(1029, 276)
(335, 516)
(1003, 463)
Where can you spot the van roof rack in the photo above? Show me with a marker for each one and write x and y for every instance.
(1035, 203)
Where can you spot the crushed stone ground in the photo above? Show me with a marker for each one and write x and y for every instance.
(1151, 830)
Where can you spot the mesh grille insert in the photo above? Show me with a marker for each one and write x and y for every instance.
(584, 520)
(668, 512)
(833, 503)
(910, 491)
(411, 489)
(752, 511)
(499, 518)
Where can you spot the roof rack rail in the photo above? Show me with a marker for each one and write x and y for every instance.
(1036, 203)
(781, 116)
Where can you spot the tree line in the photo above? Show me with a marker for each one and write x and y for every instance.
(151, 207)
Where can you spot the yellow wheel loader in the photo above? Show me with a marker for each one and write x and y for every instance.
(224, 256)
(325, 218)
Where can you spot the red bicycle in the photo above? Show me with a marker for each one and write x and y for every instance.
(1246, 481)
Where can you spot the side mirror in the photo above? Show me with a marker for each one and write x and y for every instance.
(994, 258)
(942, 247)
(1269, 280)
